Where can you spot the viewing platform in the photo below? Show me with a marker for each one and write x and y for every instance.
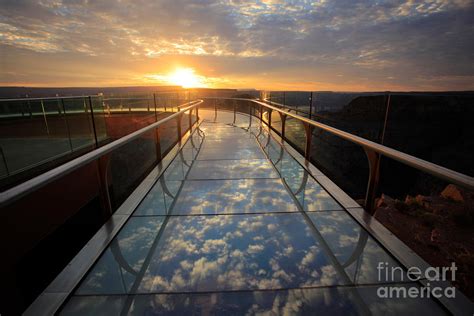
(231, 220)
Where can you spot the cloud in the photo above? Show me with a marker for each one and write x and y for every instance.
(425, 44)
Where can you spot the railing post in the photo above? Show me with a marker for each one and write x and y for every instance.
(250, 113)
(190, 119)
(59, 107)
(179, 127)
(102, 174)
(157, 134)
(177, 101)
(215, 107)
(283, 124)
(309, 133)
(158, 145)
(93, 122)
(235, 111)
(44, 116)
(67, 125)
(269, 119)
(4, 159)
(372, 185)
(29, 109)
(387, 111)
(154, 103)
(261, 113)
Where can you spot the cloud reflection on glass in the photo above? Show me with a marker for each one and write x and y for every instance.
(208, 253)
(298, 259)
(116, 270)
(234, 196)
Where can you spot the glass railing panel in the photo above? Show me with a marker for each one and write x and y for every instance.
(129, 164)
(276, 121)
(436, 127)
(186, 121)
(275, 96)
(78, 123)
(13, 109)
(295, 133)
(56, 126)
(168, 133)
(36, 137)
(361, 114)
(298, 101)
(100, 115)
(49, 226)
(342, 161)
(4, 172)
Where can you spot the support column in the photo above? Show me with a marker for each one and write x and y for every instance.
(309, 133)
(373, 183)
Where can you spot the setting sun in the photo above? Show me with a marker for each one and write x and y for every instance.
(186, 78)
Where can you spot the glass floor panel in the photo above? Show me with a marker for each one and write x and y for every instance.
(237, 252)
(232, 169)
(117, 268)
(230, 152)
(239, 236)
(357, 252)
(234, 196)
(310, 195)
(227, 142)
(321, 301)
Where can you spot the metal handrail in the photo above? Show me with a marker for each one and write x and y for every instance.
(88, 95)
(47, 98)
(15, 193)
(373, 150)
(420, 164)
(286, 107)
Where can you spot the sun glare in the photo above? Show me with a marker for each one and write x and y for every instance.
(186, 78)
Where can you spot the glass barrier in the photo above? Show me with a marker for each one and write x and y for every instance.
(78, 120)
(39, 134)
(432, 216)
(124, 173)
(51, 224)
(295, 133)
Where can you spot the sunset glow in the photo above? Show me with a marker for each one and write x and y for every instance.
(282, 45)
(186, 78)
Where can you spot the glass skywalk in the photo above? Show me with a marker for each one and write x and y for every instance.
(237, 226)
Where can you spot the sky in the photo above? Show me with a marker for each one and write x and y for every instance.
(340, 45)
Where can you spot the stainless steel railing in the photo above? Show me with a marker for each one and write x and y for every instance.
(373, 150)
(15, 193)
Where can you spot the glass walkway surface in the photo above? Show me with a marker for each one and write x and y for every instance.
(236, 225)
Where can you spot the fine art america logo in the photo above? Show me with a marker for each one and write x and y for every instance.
(387, 273)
